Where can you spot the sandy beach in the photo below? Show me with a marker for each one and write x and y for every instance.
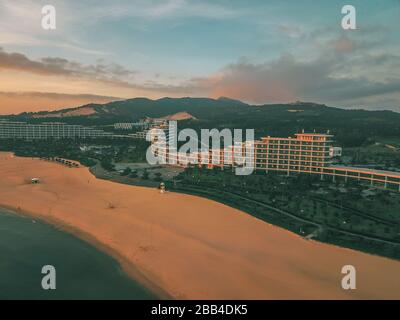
(188, 247)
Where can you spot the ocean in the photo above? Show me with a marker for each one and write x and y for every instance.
(82, 271)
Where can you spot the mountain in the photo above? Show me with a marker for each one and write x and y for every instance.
(134, 109)
(179, 116)
(350, 127)
(75, 112)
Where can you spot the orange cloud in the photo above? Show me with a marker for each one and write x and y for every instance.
(15, 103)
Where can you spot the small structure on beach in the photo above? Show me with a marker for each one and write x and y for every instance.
(35, 181)
(162, 187)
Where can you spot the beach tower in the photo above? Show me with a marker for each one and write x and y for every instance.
(162, 187)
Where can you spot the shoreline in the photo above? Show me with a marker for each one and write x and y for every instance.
(204, 250)
(126, 266)
(220, 201)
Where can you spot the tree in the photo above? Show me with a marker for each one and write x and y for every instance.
(107, 165)
(126, 172)
(133, 174)
(145, 175)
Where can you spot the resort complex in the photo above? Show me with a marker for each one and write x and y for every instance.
(310, 153)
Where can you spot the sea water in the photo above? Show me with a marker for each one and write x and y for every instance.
(82, 271)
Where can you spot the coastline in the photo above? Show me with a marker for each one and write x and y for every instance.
(127, 267)
(204, 250)
(99, 174)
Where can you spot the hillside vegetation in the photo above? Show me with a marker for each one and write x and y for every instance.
(352, 128)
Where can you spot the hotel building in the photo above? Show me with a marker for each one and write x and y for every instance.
(307, 153)
(310, 153)
(51, 130)
(150, 124)
(124, 126)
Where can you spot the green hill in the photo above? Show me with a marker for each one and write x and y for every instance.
(351, 127)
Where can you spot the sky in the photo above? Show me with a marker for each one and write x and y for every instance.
(258, 51)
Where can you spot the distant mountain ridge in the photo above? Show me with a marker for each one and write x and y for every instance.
(199, 108)
(141, 107)
(351, 127)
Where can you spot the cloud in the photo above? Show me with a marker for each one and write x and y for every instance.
(54, 66)
(111, 74)
(343, 44)
(17, 102)
(332, 66)
(287, 79)
(290, 31)
(20, 24)
(19, 62)
(58, 96)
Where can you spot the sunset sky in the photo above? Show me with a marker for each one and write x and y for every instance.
(256, 51)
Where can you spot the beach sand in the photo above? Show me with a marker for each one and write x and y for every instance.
(188, 247)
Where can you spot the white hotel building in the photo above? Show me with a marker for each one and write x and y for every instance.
(310, 153)
(50, 130)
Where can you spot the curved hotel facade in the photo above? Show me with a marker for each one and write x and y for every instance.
(310, 153)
